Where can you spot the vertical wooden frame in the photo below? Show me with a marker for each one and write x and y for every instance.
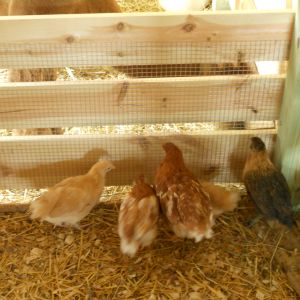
(287, 151)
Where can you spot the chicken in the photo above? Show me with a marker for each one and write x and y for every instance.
(70, 200)
(183, 200)
(138, 218)
(266, 185)
(221, 199)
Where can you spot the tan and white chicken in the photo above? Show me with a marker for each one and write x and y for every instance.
(138, 218)
(70, 200)
(184, 202)
(221, 200)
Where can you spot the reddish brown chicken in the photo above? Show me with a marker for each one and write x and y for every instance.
(221, 200)
(138, 218)
(184, 202)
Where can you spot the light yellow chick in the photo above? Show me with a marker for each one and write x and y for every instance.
(138, 218)
(70, 200)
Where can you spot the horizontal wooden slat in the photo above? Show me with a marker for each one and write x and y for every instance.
(144, 38)
(41, 161)
(164, 100)
(219, 26)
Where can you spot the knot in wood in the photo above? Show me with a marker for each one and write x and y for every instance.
(120, 26)
(188, 27)
(253, 109)
(120, 54)
(70, 39)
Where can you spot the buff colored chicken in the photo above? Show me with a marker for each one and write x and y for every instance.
(70, 200)
(184, 202)
(221, 200)
(138, 218)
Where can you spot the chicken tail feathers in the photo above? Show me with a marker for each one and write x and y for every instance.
(288, 221)
(129, 248)
(41, 207)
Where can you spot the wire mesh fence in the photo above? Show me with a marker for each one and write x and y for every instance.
(123, 99)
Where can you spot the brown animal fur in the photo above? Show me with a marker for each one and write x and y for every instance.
(3, 7)
(42, 7)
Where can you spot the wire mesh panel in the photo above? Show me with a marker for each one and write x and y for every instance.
(185, 79)
(40, 161)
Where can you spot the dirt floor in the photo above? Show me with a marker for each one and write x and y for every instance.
(38, 261)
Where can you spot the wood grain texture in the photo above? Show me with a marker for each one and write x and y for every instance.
(42, 161)
(163, 100)
(143, 38)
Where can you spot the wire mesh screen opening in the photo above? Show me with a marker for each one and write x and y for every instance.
(67, 104)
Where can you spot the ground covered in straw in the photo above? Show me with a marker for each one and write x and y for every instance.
(38, 261)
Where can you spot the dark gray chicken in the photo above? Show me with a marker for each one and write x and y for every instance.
(266, 185)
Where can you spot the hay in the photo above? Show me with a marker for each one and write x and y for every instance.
(139, 5)
(144, 5)
(38, 261)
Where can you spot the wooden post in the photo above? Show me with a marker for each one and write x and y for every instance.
(287, 152)
(221, 5)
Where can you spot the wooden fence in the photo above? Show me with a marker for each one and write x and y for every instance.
(139, 40)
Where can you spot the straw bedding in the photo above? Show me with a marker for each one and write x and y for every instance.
(38, 261)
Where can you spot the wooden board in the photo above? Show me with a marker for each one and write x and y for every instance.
(27, 162)
(144, 38)
(288, 145)
(196, 99)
